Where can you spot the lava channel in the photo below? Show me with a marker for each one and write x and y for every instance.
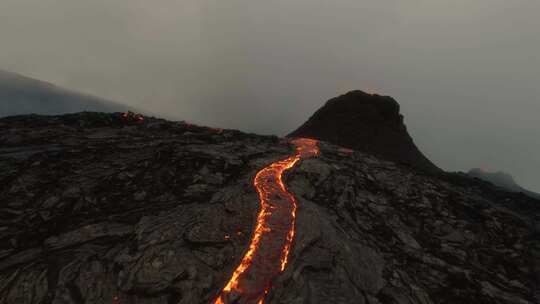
(270, 245)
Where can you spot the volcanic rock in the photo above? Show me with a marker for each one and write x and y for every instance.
(366, 122)
(94, 211)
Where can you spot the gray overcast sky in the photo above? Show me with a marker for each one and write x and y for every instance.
(466, 72)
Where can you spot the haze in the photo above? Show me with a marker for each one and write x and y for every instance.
(465, 72)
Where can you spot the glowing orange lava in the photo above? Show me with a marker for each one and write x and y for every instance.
(270, 246)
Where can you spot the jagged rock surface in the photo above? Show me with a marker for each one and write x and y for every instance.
(94, 211)
(366, 122)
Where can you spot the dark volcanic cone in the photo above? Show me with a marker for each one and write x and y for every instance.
(366, 122)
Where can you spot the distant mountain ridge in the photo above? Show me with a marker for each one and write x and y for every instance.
(24, 95)
(502, 180)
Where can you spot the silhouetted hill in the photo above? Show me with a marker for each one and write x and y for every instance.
(23, 95)
(369, 123)
(501, 179)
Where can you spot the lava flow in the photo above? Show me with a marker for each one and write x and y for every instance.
(270, 245)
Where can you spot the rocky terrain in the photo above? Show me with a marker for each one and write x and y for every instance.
(95, 208)
(366, 122)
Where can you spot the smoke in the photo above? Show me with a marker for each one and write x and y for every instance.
(465, 72)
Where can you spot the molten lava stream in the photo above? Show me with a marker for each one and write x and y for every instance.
(270, 245)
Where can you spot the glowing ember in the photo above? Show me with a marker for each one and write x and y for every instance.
(345, 150)
(130, 117)
(270, 245)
